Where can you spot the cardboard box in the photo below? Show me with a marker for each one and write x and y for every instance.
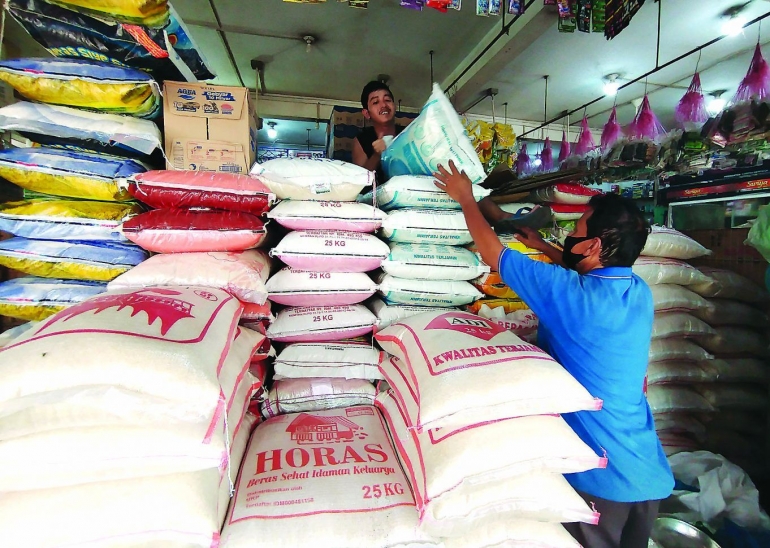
(209, 128)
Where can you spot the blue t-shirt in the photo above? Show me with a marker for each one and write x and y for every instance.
(598, 326)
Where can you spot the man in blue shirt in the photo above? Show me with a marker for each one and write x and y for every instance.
(596, 320)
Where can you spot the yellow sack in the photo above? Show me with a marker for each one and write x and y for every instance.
(150, 13)
(511, 242)
(508, 305)
(492, 284)
(35, 299)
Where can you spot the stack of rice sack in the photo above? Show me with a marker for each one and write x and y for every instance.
(739, 374)
(123, 420)
(426, 266)
(474, 414)
(75, 197)
(568, 202)
(327, 253)
(677, 357)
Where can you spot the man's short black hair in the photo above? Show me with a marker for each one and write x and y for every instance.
(620, 225)
(371, 87)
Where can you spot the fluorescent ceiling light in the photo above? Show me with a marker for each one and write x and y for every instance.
(716, 105)
(611, 85)
(272, 133)
(733, 26)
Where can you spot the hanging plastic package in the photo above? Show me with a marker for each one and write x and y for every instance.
(79, 130)
(83, 84)
(646, 124)
(96, 261)
(612, 132)
(585, 142)
(73, 220)
(434, 137)
(756, 84)
(691, 111)
(166, 54)
(69, 174)
(35, 299)
(759, 235)
(151, 13)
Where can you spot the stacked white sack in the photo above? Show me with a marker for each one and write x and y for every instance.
(473, 411)
(123, 420)
(677, 361)
(327, 255)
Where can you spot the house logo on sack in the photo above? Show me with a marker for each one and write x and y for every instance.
(468, 324)
(313, 429)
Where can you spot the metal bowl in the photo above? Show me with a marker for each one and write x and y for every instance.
(675, 533)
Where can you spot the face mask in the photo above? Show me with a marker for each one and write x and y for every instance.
(571, 259)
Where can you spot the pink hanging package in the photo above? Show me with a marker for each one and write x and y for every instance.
(646, 124)
(756, 83)
(585, 142)
(523, 162)
(564, 150)
(691, 111)
(612, 131)
(546, 156)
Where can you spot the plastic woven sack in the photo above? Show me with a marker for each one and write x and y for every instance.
(69, 174)
(154, 13)
(419, 191)
(65, 127)
(34, 299)
(434, 137)
(83, 84)
(96, 261)
(691, 111)
(65, 219)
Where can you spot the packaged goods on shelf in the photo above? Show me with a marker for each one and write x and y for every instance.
(342, 359)
(242, 274)
(309, 394)
(302, 288)
(300, 179)
(415, 191)
(136, 12)
(85, 84)
(195, 230)
(321, 323)
(318, 215)
(331, 251)
(95, 261)
(35, 299)
(71, 128)
(432, 262)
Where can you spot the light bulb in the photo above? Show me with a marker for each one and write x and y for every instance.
(733, 26)
(272, 133)
(716, 105)
(537, 163)
(611, 88)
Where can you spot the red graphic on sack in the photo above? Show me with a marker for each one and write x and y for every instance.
(466, 323)
(156, 303)
(309, 429)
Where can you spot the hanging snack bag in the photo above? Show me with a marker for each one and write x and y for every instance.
(34, 299)
(69, 174)
(435, 137)
(83, 84)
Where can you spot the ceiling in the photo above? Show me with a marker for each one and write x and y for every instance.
(293, 132)
(576, 63)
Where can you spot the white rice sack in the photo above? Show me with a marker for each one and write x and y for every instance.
(514, 534)
(729, 312)
(322, 179)
(678, 324)
(522, 323)
(433, 262)
(242, 274)
(416, 191)
(670, 243)
(665, 398)
(735, 396)
(317, 215)
(388, 314)
(671, 298)
(680, 423)
(341, 360)
(680, 371)
(736, 341)
(331, 251)
(321, 323)
(741, 370)
(657, 270)
(675, 349)
(467, 370)
(674, 443)
(316, 393)
(328, 478)
(726, 284)
(457, 472)
(430, 293)
(302, 288)
(426, 226)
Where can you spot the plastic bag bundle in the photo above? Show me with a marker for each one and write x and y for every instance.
(585, 142)
(434, 137)
(691, 111)
(69, 174)
(564, 148)
(151, 13)
(163, 53)
(523, 162)
(34, 299)
(611, 132)
(67, 220)
(83, 84)
(96, 261)
(646, 124)
(75, 129)
(546, 156)
(756, 84)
